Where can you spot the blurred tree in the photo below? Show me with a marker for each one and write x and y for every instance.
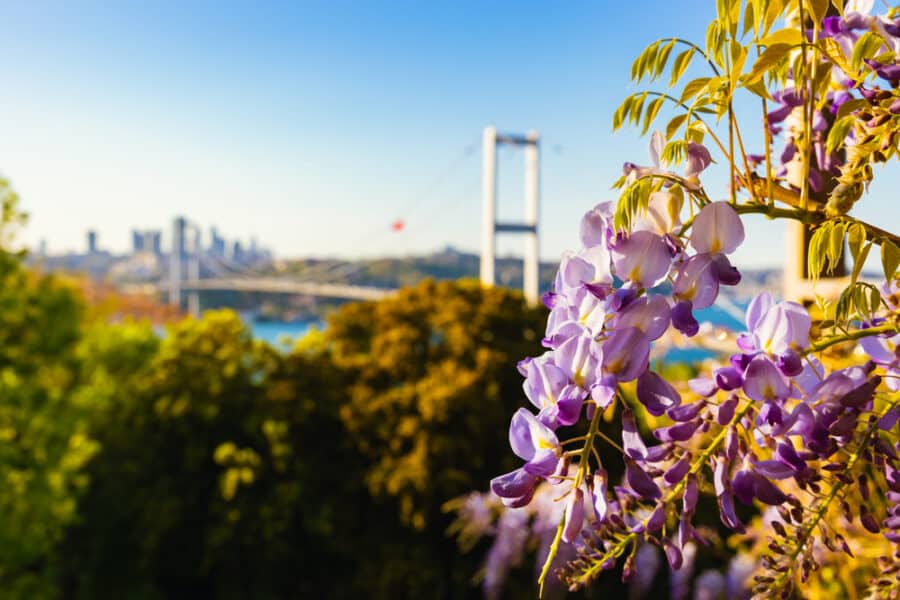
(431, 378)
(43, 441)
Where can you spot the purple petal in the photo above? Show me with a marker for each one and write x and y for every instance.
(697, 281)
(703, 387)
(774, 469)
(683, 318)
(543, 381)
(758, 307)
(677, 433)
(677, 471)
(691, 494)
(643, 258)
(601, 505)
(717, 229)
(520, 434)
(698, 158)
(673, 555)
(603, 392)
(574, 518)
(767, 492)
(656, 394)
(631, 438)
(657, 518)
(544, 463)
(640, 482)
(790, 363)
(725, 272)
(595, 224)
(727, 514)
(743, 486)
(728, 378)
(577, 357)
(685, 412)
(626, 354)
(720, 476)
(786, 453)
(514, 484)
(763, 381)
(569, 405)
(726, 410)
(649, 314)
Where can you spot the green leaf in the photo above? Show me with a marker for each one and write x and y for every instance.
(866, 46)
(818, 244)
(674, 125)
(839, 132)
(775, 9)
(890, 259)
(680, 65)
(622, 112)
(856, 237)
(749, 17)
(818, 8)
(874, 301)
(835, 246)
(832, 51)
(860, 261)
(767, 60)
(790, 36)
(650, 114)
(637, 108)
(738, 56)
(674, 152)
(662, 58)
(693, 87)
(851, 106)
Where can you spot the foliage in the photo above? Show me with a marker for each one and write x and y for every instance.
(771, 428)
(43, 440)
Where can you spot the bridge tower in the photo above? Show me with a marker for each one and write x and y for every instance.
(193, 271)
(176, 260)
(489, 225)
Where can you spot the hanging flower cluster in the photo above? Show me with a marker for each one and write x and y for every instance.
(772, 428)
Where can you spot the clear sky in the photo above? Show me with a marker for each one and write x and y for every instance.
(314, 125)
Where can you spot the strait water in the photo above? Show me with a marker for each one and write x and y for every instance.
(283, 335)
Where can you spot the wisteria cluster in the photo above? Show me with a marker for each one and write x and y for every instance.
(778, 428)
(839, 167)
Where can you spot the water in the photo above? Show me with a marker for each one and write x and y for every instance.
(281, 335)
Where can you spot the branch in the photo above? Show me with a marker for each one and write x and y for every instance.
(852, 335)
(814, 214)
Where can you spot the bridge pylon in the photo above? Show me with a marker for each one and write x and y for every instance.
(529, 227)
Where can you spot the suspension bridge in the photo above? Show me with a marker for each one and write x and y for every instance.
(193, 270)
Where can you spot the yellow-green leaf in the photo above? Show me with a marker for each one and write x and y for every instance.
(693, 87)
(890, 259)
(674, 124)
(680, 65)
(790, 36)
(652, 110)
(767, 60)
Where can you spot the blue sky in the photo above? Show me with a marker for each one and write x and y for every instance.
(314, 125)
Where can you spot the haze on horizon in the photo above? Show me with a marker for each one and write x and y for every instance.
(314, 126)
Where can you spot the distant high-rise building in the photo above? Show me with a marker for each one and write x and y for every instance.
(148, 240)
(91, 242)
(216, 243)
(237, 254)
(179, 244)
(153, 241)
(137, 241)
